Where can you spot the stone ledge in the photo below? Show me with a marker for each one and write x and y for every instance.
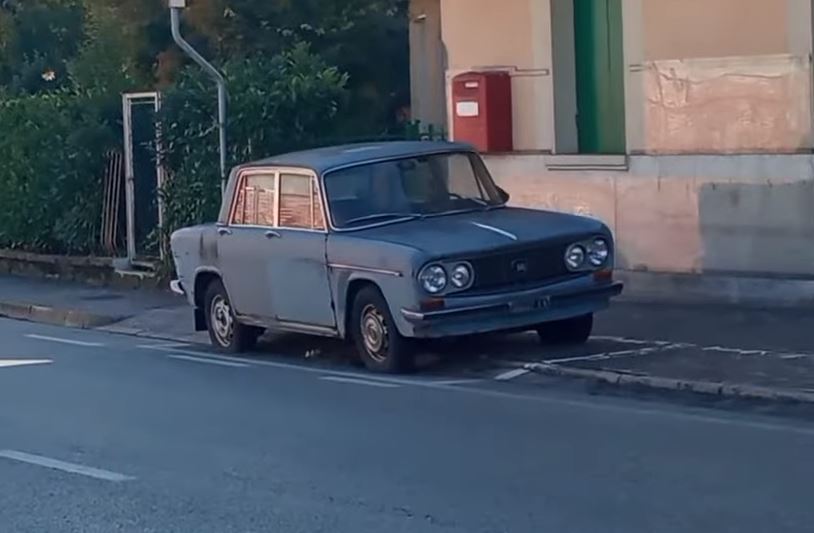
(654, 287)
(96, 271)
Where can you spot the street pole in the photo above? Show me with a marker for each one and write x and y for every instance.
(175, 23)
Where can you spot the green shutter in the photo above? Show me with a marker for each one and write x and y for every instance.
(600, 76)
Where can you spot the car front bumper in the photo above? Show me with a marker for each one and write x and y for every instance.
(512, 310)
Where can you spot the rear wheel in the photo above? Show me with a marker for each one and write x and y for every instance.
(225, 332)
(571, 331)
(379, 344)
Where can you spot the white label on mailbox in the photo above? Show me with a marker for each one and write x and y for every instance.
(467, 109)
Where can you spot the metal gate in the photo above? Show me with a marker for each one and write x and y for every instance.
(144, 178)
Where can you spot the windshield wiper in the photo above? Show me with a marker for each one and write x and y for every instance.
(383, 215)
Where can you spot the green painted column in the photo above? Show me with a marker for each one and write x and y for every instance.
(600, 76)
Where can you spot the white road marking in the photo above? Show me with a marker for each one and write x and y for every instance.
(512, 374)
(796, 356)
(7, 363)
(64, 341)
(208, 361)
(449, 382)
(626, 340)
(72, 468)
(317, 370)
(164, 346)
(541, 399)
(354, 381)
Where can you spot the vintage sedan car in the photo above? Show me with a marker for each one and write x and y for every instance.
(384, 243)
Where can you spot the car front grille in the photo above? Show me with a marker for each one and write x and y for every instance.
(528, 265)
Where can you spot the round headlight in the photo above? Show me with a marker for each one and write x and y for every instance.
(461, 275)
(575, 257)
(433, 279)
(598, 252)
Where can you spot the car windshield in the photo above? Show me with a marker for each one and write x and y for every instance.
(414, 187)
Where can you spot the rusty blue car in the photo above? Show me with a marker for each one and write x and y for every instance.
(385, 243)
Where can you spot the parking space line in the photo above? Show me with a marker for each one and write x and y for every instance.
(208, 361)
(354, 381)
(61, 340)
(164, 345)
(314, 369)
(72, 468)
(7, 363)
(511, 374)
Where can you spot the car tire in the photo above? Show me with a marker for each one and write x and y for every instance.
(225, 332)
(378, 342)
(571, 331)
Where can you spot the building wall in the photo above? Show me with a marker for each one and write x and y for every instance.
(428, 64)
(719, 173)
(702, 76)
(512, 35)
(692, 214)
(685, 29)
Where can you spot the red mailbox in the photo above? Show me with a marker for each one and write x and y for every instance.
(482, 110)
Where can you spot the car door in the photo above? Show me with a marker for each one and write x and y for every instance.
(297, 268)
(243, 244)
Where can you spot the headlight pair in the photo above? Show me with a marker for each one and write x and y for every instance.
(435, 278)
(593, 254)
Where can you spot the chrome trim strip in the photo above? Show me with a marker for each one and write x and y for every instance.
(306, 328)
(415, 315)
(610, 291)
(338, 266)
(499, 231)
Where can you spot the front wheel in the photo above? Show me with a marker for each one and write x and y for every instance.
(225, 332)
(381, 347)
(571, 331)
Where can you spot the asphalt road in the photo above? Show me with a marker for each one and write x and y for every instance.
(106, 433)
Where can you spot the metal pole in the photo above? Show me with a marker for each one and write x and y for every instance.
(175, 24)
(159, 176)
(129, 178)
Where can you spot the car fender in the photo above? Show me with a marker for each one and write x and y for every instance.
(344, 283)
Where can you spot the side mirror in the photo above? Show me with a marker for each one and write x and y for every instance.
(504, 196)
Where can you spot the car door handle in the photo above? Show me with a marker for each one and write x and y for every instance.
(224, 231)
(271, 234)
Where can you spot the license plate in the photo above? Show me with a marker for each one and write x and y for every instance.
(535, 304)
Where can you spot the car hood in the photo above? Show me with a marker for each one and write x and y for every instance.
(452, 235)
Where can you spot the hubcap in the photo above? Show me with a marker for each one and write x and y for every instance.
(374, 333)
(222, 320)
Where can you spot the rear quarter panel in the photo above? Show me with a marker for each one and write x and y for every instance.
(194, 250)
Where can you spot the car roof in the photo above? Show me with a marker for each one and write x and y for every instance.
(322, 160)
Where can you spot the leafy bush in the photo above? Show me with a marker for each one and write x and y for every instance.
(277, 104)
(52, 149)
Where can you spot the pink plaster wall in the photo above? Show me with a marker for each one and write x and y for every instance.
(727, 105)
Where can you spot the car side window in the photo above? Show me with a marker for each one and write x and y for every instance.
(300, 203)
(255, 201)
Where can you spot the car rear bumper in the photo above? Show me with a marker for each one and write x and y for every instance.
(512, 311)
(177, 287)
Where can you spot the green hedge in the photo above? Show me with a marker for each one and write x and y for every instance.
(52, 150)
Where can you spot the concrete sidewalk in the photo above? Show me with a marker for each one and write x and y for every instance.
(79, 305)
(711, 349)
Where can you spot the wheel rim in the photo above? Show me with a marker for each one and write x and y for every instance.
(223, 323)
(375, 333)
